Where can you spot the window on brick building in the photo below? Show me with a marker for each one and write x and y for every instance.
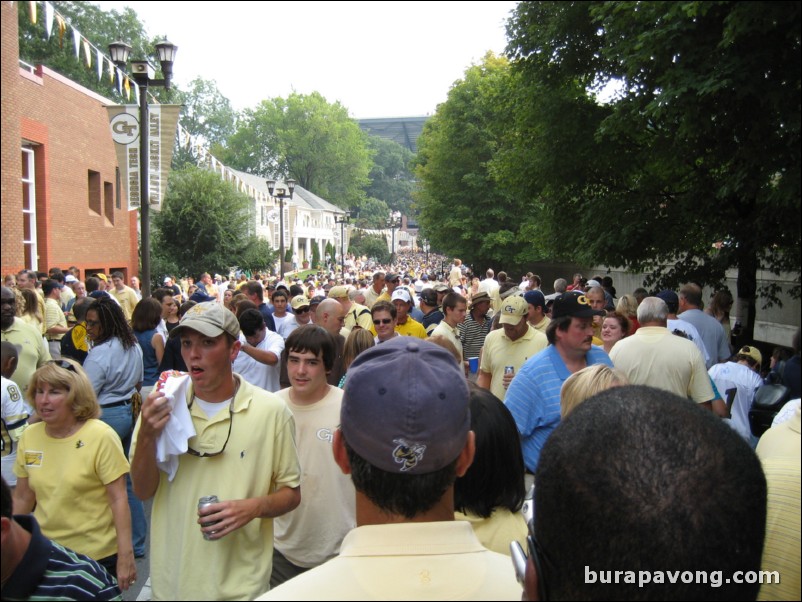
(108, 201)
(29, 209)
(117, 195)
(94, 191)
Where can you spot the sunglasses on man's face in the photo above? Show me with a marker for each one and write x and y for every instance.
(383, 321)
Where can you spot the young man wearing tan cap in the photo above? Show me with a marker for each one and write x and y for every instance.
(509, 347)
(243, 451)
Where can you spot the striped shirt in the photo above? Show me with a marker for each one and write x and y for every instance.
(472, 334)
(49, 571)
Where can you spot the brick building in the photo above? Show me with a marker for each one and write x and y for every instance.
(62, 204)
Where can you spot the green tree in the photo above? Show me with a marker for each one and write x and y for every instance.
(391, 179)
(462, 206)
(207, 225)
(700, 146)
(370, 213)
(96, 25)
(306, 138)
(207, 113)
(370, 245)
(315, 255)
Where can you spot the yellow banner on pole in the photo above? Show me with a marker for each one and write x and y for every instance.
(125, 131)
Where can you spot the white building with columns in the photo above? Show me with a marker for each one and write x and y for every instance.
(308, 219)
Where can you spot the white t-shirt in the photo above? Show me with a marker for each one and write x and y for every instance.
(745, 382)
(259, 374)
(312, 533)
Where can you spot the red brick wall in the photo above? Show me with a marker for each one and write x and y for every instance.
(71, 125)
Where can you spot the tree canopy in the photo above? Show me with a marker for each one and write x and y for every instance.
(306, 138)
(96, 25)
(462, 207)
(206, 113)
(700, 147)
(206, 225)
(391, 179)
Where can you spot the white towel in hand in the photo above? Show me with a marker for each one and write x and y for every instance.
(174, 439)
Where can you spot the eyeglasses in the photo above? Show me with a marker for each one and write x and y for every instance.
(193, 452)
(383, 321)
(64, 364)
(302, 310)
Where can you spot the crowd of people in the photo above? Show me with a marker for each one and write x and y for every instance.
(374, 434)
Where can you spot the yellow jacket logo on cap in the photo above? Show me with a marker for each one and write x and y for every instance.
(408, 454)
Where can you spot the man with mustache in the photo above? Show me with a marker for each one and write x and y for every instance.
(533, 396)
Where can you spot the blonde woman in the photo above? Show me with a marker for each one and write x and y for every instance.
(628, 306)
(71, 471)
(584, 384)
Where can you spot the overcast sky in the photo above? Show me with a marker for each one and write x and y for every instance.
(379, 59)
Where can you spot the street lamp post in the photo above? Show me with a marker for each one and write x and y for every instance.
(393, 222)
(342, 220)
(143, 74)
(281, 194)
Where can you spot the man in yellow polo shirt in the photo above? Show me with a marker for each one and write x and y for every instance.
(510, 346)
(243, 452)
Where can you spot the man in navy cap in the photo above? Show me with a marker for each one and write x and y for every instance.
(404, 447)
(534, 394)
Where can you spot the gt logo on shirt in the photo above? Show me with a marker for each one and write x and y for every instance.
(324, 434)
(34, 458)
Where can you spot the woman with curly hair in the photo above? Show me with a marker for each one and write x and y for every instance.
(115, 368)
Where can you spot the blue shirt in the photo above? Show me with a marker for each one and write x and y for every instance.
(114, 371)
(533, 398)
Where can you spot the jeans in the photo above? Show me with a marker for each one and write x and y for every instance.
(119, 419)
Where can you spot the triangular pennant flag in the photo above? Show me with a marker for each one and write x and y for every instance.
(87, 52)
(99, 65)
(127, 88)
(111, 71)
(49, 12)
(76, 37)
(62, 29)
(119, 81)
(33, 12)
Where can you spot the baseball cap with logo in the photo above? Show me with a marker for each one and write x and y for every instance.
(417, 428)
(299, 301)
(210, 319)
(575, 305)
(512, 309)
(402, 294)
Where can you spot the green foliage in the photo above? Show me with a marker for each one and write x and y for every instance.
(315, 254)
(391, 179)
(370, 213)
(288, 255)
(207, 114)
(305, 138)
(701, 145)
(96, 25)
(206, 225)
(465, 209)
(370, 245)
